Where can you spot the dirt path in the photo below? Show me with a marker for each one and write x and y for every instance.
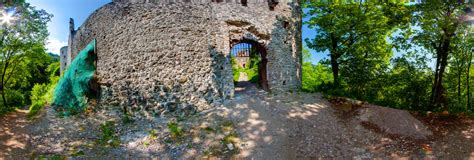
(269, 126)
(305, 126)
(244, 87)
(13, 135)
(292, 127)
(243, 77)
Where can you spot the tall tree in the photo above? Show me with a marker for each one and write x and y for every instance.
(354, 33)
(23, 29)
(459, 67)
(439, 22)
(468, 84)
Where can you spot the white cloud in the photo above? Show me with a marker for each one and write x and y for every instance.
(54, 45)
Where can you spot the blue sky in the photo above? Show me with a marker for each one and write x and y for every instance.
(62, 10)
(310, 33)
(79, 10)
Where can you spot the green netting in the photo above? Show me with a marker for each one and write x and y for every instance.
(72, 90)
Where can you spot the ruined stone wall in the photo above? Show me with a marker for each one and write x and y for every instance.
(63, 57)
(160, 57)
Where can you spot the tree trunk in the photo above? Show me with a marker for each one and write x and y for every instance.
(335, 69)
(5, 103)
(459, 84)
(439, 98)
(334, 63)
(467, 79)
(433, 89)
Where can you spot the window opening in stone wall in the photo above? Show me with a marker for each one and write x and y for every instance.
(243, 2)
(272, 4)
(247, 66)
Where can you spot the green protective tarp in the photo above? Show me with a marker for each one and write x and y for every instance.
(73, 89)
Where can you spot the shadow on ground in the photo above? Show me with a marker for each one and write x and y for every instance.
(13, 134)
(255, 124)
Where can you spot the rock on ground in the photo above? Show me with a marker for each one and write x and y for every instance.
(394, 121)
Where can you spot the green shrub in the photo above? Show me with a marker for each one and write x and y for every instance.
(42, 94)
(35, 108)
(236, 74)
(38, 92)
(316, 78)
(108, 136)
(15, 98)
(252, 74)
(37, 98)
(175, 130)
(48, 97)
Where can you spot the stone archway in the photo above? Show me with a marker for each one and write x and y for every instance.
(262, 67)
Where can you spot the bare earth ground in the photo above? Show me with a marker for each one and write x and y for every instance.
(254, 125)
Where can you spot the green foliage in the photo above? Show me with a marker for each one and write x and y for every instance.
(315, 77)
(42, 94)
(108, 137)
(405, 87)
(235, 69)
(51, 157)
(356, 36)
(230, 138)
(459, 77)
(38, 92)
(35, 108)
(22, 57)
(16, 98)
(153, 134)
(37, 98)
(126, 118)
(54, 76)
(439, 23)
(175, 130)
(252, 74)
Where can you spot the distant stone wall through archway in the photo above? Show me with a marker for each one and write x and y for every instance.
(249, 49)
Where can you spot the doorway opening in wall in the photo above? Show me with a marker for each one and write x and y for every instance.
(249, 66)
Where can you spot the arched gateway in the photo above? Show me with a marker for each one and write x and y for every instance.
(175, 54)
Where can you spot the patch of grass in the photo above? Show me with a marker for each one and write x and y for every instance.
(35, 108)
(175, 130)
(236, 75)
(153, 133)
(189, 146)
(78, 153)
(168, 141)
(126, 118)
(51, 157)
(108, 136)
(227, 126)
(230, 138)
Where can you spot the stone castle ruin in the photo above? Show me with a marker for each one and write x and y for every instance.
(174, 55)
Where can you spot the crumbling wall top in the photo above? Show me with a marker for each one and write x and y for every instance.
(202, 1)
